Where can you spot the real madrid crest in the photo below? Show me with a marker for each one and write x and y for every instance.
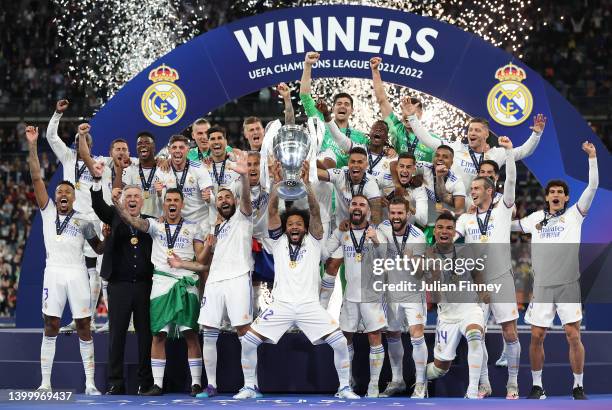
(510, 102)
(163, 103)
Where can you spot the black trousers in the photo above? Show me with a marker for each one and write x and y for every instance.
(125, 298)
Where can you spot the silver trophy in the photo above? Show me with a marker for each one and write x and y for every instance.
(291, 146)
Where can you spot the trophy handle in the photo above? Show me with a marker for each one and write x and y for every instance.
(291, 190)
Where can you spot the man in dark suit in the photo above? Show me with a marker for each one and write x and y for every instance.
(128, 269)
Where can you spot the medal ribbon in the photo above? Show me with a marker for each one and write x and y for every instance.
(444, 257)
(59, 228)
(358, 248)
(293, 253)
(180, 184)
(482, 226)
(373, 162)
(146, 185)
(78, 171)
(548, 216)
(411, 146)
(350, 184)
(171, 239)
(219, 227)
(219, 176)
(476, 162)
(400, 250)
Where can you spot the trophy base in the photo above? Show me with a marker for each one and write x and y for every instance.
(292, 191)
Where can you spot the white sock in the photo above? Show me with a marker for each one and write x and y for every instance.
(195, 368)
(87, 355)
(536, 377)
(503, 354)
(513, 355)
(47, 354)
(250, 342)
(474, 341)
(396, 358)
(419, 355)
(158, 366)
(209, 351)
(377, 356)
(578, 380)
(337, 341)
(327, 288)
(484, 368)
(434, 372)
(105, 293)
(94, 286)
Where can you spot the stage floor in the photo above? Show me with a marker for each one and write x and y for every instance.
(172, 401)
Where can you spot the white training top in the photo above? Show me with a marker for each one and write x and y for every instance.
(233, 255)
(65, 251)
(338, 177)
(301, 283)
(183, 247)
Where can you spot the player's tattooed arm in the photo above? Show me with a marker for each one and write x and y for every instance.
(135, 221)
(377, 213)
(379, 88)
(40, 191)
(459, 204)
(285, 92)
(245, 189)
(274, 221)
(316, 227)
(440, 188)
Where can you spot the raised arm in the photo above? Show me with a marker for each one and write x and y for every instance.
(285, 92)
(440, 185)
(510, 183)
(61, 151)
(245, 189)
(84, 152)
(409, 110)
(316, 227)
(342, 140)
(40, 191)
(305, 83)
(585, 200)
(525, 150)
(274, 221)
(135, 221)
(379, 88)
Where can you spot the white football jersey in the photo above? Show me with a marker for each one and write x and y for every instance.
(301, 283)
(453, 185)
(339, 178)
(183, 246)
(554, 246)
(153, 205)
(259, 202)
(233, 255)
(65, 250)
(195, 209)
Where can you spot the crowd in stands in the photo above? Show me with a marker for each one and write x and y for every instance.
(569, 46)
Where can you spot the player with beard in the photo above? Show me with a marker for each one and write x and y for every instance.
(358, 250)
(228, 286)
(468, 157)
(410, 187)
(400, 134)
(342, 110)
(296, 292)
(174, 293)
(402, 239)
(348, 182)
(490, 227)
(191, 179)
(379, 156)
(65, 276)
(459, 313)
(555, 238)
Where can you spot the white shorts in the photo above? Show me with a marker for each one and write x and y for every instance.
(448, 334)
(61, 284)
(546, 302)
(398, 314)
(310, 317)
(372, 314)
(501, 307)
(232, 296)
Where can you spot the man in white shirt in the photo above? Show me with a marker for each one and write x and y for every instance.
(295, 238)
(555, 244)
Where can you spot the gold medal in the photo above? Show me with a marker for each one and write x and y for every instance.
(146, 195)
(58, 238)
(439, 206)
(358, 257)
(484, 238)
(77, 185)
(170, 252)
(292, 264)
(134, 240)
(539, 226)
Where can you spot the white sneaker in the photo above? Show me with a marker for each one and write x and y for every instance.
(473, 395)
(420, 391)
(44, 388)
(393, 388)
(103, 329)
(484, 390)
(91, 390)
(347, 393)
(248, 393)
(373, 390)
(512, 392)
(131, 327)
(69, 328)
(502, 361)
